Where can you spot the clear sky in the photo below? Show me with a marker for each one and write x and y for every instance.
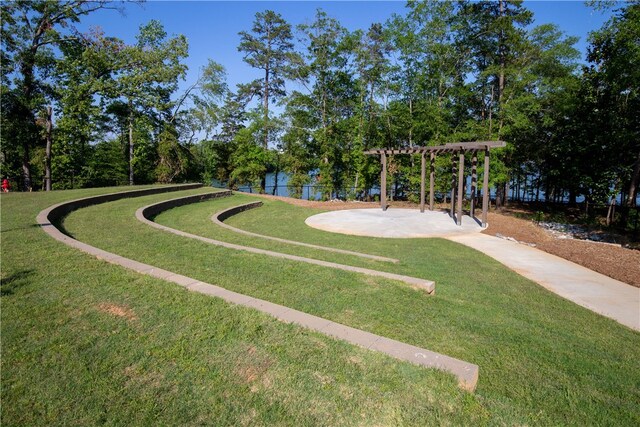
(212, 26)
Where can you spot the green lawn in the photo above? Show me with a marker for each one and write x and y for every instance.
(85, 342)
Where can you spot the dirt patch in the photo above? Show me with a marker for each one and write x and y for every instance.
(614, 261)
(252, 369)
(140, 376)
(117, 310)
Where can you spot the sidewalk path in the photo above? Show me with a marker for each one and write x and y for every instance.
(595, 291)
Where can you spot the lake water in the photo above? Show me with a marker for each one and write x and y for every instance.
(312, 192)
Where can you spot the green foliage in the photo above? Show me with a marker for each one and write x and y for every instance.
(108, 165)
(173, 158)
(442, 72)
(268, 48)
(30, 33)
(249, 160)
(613, 89)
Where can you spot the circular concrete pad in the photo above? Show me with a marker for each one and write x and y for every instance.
(393, 223)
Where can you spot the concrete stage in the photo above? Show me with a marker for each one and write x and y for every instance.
(393, 223)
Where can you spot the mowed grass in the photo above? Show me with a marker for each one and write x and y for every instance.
(85, 342)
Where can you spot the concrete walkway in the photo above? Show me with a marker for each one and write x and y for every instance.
(595, 291)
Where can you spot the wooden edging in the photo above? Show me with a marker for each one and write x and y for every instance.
(466, 373)
(145, 213)
(219, 218)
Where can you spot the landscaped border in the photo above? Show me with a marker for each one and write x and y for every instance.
(466, 373)
(219, 218)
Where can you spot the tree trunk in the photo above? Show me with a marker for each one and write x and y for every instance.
(491, 115)
(47, 158)
(355, 185)
(26, 167)
(130, 147)
(611, 210)
(411, 124)
(502, 55)
(266, 108)
(633, 185)
(28, 84)
(505, 193)
(275, 181)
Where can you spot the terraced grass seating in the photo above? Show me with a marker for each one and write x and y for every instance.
(145, 213)
(153, 210)
(60, 210)
(219, 218)
(467, 373)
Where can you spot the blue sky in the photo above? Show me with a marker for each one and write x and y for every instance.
(212, 26)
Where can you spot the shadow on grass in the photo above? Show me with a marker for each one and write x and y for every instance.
(26, 227)
(14, 281)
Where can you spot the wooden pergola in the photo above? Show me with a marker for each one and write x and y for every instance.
(457, 169)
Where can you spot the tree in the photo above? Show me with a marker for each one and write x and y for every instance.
(210, 91)
(148, 75)
(269, 48)
(107, 164)
(82, 79)
(249, 159)
(30, 32)
(317, 139)
(615, 79)
(432, 67)
(495, 33)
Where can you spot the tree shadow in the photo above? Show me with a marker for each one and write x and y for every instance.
(10, 283)
(26, 227)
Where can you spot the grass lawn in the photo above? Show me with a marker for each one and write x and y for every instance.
(85, 342)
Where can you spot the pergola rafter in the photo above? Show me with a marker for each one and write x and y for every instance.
(457, 168)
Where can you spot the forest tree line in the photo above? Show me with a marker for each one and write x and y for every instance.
(88, 109)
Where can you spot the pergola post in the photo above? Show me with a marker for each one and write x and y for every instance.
(383, 182)
(474, 182)
(460, 187)
(485, 188)
(457, 170)
(431, 179)
(422, 180)
(452, 211)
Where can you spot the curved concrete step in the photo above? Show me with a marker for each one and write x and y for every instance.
(219, 218)
(466, 373)
(145, 213)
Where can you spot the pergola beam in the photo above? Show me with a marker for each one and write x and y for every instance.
(447, 148)
(451, 148)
